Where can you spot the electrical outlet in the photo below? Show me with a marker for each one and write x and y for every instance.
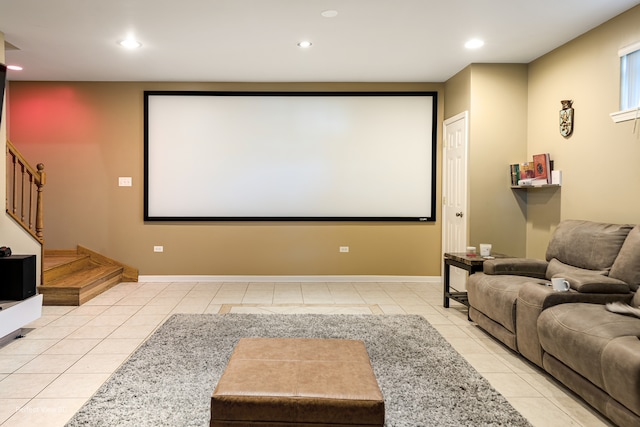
(158, 249)
(344, 248)
(125, 181)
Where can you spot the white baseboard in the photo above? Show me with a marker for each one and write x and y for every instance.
(288, 279)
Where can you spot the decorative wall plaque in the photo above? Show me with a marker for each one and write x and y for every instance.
(566, 118)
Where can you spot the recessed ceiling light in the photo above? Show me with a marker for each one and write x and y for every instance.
(329, 13)
(304, 44)
(14, 67)
(474, 44)
(130, 43)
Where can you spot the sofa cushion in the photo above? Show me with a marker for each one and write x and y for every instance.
(495, 296)
(587, 244)
(558, 269)
(577, 334)
(621, 371)
(627, 264)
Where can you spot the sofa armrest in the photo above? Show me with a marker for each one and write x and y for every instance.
(595, 283)
(534, 298)
(516, 266)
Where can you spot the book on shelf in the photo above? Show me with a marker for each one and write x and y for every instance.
(527, 170)
(515, 173)
(542, 167)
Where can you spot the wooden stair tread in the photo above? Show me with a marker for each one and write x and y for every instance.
(84, 277)
(52, 261)
(61, 265)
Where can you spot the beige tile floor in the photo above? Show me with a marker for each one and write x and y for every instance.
(69, 352)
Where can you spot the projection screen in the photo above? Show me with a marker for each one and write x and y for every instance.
(336, 156)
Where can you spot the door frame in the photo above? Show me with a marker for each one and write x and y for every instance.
(456, 276)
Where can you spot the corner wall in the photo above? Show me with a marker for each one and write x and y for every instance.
(514, 111)
(498, 138)
(496, 97)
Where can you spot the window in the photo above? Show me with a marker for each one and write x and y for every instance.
(630, 80)
(629, 84)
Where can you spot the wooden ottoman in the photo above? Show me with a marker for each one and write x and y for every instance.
(297, 381)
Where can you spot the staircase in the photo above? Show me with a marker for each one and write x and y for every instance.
(73, 277)
(69, 277)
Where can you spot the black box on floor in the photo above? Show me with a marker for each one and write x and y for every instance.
(17, 277)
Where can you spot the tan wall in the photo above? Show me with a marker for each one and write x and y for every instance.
(601, 177)
(458, 93)
(496, 97)
(497, 138)
(89, 134)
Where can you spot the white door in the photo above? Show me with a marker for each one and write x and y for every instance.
(454, 192)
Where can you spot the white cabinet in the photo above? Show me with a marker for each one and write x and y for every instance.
(16, 314)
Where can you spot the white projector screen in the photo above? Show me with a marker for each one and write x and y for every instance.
(290, 156)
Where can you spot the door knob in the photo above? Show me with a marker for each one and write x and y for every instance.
(459, 214)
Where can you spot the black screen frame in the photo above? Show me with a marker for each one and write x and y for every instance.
(422, 219)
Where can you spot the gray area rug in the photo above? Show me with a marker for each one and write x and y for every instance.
(168, 381)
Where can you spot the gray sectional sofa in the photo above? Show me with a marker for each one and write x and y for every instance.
(572, 335)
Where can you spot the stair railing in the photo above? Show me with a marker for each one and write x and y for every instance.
(24, 193)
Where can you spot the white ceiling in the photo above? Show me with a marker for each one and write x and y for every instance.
(255, 40)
